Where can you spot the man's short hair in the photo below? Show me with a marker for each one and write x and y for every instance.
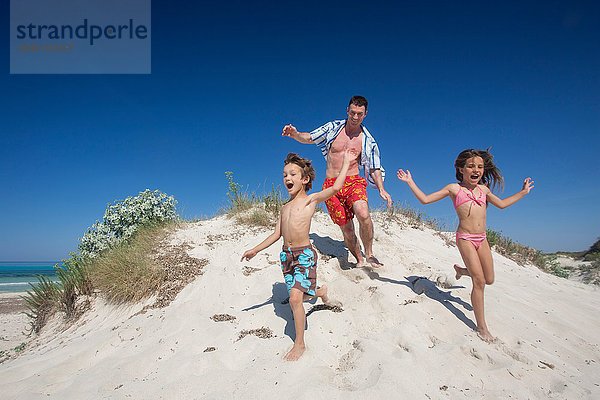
(305, 165)
(359, 101)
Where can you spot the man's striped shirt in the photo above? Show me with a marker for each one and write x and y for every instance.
(324, 136)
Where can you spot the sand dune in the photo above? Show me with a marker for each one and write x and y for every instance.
(393, 339)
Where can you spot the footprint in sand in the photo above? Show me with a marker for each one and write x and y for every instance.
(346, 362)
(471, 351)
(354, 372)
(494, 355)
(401, 350)
(514, 354)
(434, 341)
(515, 373)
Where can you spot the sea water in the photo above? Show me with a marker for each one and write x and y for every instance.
(17, 276)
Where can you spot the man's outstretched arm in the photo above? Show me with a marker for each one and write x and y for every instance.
(377, 178)
(291, 131)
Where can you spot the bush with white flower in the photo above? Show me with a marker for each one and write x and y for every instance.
(122, 219)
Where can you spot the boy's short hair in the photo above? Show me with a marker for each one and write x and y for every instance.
(306, 167)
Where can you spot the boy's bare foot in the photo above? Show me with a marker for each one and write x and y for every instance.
(460, 271)
(486, 336)
(322, 292)
(295, 353)
(374, 262)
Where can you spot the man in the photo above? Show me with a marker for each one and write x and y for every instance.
(333, 138)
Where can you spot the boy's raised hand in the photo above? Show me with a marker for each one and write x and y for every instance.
(248, 254)
(404, 176)
(528, 184)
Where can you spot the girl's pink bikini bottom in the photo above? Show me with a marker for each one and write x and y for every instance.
(475, 238)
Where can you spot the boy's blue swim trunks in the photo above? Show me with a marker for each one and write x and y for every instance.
(299, 267)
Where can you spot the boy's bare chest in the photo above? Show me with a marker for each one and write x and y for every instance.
(294, 212)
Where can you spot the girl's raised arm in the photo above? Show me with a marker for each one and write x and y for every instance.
(405, 176)
(509, 201)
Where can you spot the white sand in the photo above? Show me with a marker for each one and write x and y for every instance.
(14, 324)
(389, 342)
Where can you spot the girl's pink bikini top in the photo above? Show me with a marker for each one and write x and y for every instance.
(462, 197)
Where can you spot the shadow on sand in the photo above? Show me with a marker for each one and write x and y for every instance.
(333, 248)
(421, 285)
(280, 301)
(418, 284)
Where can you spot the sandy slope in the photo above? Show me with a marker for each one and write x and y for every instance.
(389, 342)
(14, 324)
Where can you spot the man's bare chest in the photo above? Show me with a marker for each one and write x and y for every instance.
(343, 141)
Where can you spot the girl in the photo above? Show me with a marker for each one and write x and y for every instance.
(476, 173)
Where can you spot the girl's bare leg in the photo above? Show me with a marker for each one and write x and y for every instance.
(487, 263)
(476, 271)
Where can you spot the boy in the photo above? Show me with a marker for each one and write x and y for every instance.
(298, 259)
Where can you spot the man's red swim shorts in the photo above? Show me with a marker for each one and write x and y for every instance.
(340, 205)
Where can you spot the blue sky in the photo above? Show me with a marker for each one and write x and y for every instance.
(521, 77)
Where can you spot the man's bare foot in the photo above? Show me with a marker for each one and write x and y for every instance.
(460, 271)
(485, 335)
(374, 262)
(295, 353)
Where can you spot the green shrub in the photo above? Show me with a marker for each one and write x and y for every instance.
(123, 218)
(554, 267)
(591, 273)
(20, 347)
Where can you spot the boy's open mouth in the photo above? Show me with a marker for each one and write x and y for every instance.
(289, 185)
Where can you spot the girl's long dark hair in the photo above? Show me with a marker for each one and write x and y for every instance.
(492, 177)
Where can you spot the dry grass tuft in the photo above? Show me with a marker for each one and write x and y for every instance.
(144, 266)
(406, 216)
(128, 272)
(252, 209)
(257, 216)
